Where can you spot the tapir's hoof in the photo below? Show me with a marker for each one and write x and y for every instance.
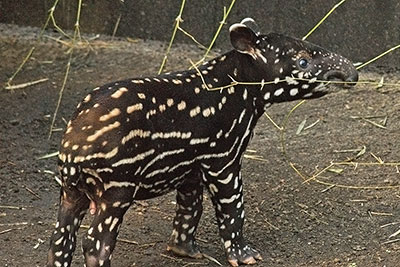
(246, 256)
(185, 249)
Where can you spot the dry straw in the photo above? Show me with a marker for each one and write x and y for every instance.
(68, 67)
(323, 19)
(178, 20)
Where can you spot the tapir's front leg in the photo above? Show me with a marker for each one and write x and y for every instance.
(227, 196)
(189, 207)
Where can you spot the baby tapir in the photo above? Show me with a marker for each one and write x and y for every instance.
(141, 138)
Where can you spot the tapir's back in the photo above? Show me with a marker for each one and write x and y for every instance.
(124, 117)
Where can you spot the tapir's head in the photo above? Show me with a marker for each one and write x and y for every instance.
(295, 67)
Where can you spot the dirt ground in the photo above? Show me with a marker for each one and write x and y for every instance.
(290, 222)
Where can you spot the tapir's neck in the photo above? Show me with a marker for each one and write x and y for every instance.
(219, 72)
(230, 67)
(235, 68)
(223, 76)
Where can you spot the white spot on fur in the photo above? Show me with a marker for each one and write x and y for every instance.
(278, 92)
(294, 91)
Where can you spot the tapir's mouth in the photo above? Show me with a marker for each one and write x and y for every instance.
(320, 90)
(345, 78)
(329, 85)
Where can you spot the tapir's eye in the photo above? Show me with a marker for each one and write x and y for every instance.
(303, 63)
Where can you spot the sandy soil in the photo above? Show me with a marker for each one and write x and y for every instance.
(290, 222)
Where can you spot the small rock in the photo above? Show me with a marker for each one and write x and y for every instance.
(14, 122)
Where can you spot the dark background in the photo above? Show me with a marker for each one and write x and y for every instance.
(359, 30)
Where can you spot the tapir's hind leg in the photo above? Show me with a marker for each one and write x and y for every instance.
(100, 240)
(73, 206)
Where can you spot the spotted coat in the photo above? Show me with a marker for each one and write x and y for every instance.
(141, 138)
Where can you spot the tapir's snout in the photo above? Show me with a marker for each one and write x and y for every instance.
(349, 75)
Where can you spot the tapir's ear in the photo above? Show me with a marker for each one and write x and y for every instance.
(250, 23)
(243, 39)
